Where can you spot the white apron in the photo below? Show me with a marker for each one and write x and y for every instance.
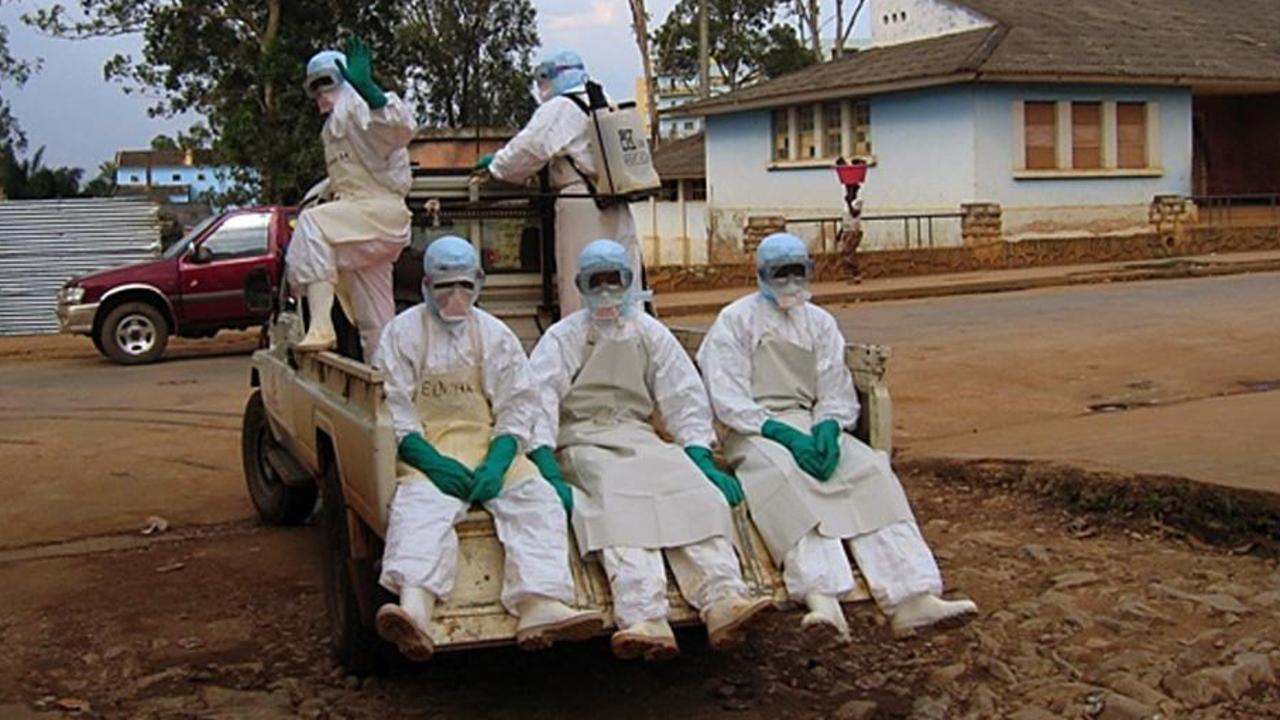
(363, 208)
(457, 420)
(632, 488)
(863, 495)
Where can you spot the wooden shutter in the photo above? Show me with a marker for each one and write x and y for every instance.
(1131, 135)
(1086, 135)
(1040, 120)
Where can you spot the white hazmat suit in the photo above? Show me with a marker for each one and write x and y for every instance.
(635, 495)
(762, 362)
(556, 135)
(350, 243)
(459, 384)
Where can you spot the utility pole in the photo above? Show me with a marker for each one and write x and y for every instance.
(640, 25)
(704, 51)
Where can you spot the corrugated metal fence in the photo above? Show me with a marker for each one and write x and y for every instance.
(43, 243)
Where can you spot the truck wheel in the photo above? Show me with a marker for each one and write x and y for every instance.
(135, 333)
(353, 637)
(277, 503)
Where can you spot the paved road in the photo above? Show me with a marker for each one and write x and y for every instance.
(1016, 375)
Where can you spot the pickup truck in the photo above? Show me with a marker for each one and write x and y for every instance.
(318, 424)
(194, 289)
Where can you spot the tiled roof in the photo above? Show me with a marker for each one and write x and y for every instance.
(684, 159)
(1177, 42)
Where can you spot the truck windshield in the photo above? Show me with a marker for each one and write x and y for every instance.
(181, 246)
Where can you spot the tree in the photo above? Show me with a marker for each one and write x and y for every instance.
(31, 180)
(240, 64)
(640, 28)
(746, 43)
(163, 142)
(809, 19)
(844, 30)
(472, 60)
(14, 72)
(105, 184)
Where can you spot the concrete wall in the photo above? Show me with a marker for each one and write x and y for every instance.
(900, 21)
(215, 179)
(671, 233)
(1072, 205)
(935, 150)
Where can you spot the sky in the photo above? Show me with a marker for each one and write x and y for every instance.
(83, 119)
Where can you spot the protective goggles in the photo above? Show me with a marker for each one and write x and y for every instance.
(782, 273)
(322, 81)
(596, 280)
(548, 70)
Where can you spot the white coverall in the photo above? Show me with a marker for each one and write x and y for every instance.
(555, 135)
(659, 500)
(428, 364)
(355, 238)
(893, 557)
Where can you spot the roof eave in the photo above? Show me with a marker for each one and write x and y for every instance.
(832, 93)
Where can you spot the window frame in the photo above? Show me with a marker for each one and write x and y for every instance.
(1108, 138)
(785, 152)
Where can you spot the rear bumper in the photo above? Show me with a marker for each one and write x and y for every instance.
(77, 319)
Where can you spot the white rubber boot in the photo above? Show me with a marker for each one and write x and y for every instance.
(727, 619)
(825, 619)
(544, 621)
(320, 335)
(926, 610)
(651, 640)
(408, 625)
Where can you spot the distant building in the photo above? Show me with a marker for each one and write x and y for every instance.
(175, 176)
(1071, 116)
(670, 93)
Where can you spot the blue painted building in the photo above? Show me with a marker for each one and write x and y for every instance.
(1071, 116)
(181, 176)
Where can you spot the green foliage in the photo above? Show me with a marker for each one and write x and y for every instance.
(240, 64)
(104, 185)
(747, 42)
(472, 60)
(15, 73)
(30, 179)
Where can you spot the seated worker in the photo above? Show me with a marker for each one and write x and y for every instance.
(601, 373)
(463, 405)
(775, 370)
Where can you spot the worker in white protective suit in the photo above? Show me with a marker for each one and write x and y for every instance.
(601, 373)
(350, 243)
(463, 405)
(775, 370)
(557, 135)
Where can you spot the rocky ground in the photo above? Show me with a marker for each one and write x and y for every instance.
(1084, 615)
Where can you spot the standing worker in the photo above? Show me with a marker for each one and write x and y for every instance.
(463, 405)
(775, 370)
(350, 243)
(601, 373)
(557, 135)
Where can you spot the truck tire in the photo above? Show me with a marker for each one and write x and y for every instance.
(353, 636)
(134, 333)
(277, 503)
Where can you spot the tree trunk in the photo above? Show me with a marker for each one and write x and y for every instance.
(270, 191)
(640, 24)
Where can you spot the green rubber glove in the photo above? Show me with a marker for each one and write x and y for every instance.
(727, 483)
(484, 162)
(826, 435)
(358, 70)
(452, 477)
(491, 471)
(545, 458)
(800, 444)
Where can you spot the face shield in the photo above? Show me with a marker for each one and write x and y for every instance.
(451, 279)
(784, 270)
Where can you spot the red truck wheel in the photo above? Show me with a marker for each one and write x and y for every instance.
(134, 333)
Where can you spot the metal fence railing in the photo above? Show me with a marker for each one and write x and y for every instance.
(1247, 210)
(914, 230)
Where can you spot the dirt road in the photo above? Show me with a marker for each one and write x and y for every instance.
(1084, 616)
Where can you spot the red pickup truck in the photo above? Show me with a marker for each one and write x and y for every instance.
(194, 289)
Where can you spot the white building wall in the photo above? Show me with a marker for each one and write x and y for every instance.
(671, 233)
(901, 21)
